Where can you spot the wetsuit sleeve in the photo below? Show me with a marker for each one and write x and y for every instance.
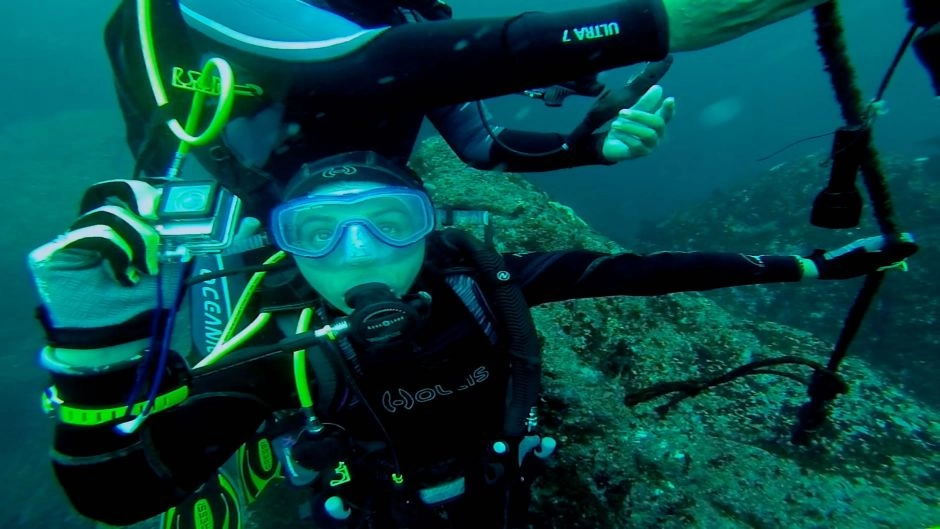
(559, 276)
(444, 62)
(437, 63)
(120, 479)
(469, 131)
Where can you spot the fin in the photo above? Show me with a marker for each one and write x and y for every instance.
(257, 466)
(214, 506)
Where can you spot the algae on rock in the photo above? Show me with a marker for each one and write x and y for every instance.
(722, 459)
(900, 332)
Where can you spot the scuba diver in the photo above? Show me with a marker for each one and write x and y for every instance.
(321, 77)
(392, 367)
(314, 78)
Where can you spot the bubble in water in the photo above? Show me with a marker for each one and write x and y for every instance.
(720, 112)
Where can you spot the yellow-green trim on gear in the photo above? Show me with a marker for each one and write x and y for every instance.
(227, 343)
(226, 85)
(341, 470)
(247, 293)
(214, 506)
(192, 81)
(76, 416)
(257, 466)
(300, 364)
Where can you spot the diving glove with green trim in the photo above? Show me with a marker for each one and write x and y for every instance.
(97, 282)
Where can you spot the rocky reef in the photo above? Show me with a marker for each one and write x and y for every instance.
(722, 459)
(770, 214)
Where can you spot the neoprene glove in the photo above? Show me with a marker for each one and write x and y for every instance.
(861, 257)
(638, 130)
(96, 282)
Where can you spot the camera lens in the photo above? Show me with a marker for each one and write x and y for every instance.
(188, 199)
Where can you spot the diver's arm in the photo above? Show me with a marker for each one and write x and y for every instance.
(451, 61)
(558, 276)
(464, 128)
(438, 63)
(572, 274)
(120, 478)
(697, 24)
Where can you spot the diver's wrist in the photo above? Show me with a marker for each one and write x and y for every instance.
(66, 360)
(75, 337)
(92, 396)
(808, 269)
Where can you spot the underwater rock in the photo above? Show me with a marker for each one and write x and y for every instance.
(722, 459)
(770, 214)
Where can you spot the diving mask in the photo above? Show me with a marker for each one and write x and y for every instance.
(313, 226)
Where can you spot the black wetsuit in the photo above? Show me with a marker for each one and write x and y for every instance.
(438, 402)
(366, 81)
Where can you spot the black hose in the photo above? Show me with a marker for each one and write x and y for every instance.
(692, 387)
(514, 315)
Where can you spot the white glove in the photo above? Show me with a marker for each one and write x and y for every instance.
(98, 277)
(639, 129)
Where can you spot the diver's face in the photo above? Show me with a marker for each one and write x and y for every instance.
(360, 256)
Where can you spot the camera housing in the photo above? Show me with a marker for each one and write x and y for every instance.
(196, 217)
